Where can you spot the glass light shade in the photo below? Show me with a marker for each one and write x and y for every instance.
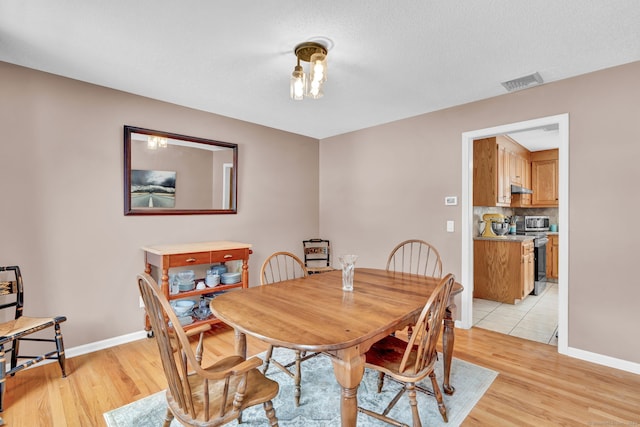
(314, 89)
(162, 142)
(298, 84)
(318, 70)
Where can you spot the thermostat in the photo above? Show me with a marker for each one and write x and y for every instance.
(450, 200)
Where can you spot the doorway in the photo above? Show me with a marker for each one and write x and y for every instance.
(562, 122)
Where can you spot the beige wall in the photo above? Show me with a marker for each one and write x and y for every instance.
(385, 184)
(62, 180)
(61, 155)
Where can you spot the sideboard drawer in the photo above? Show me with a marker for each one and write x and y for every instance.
(228, 255)
(180, 260)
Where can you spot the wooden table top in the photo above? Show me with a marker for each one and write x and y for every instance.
(182, 248)
(315, 314)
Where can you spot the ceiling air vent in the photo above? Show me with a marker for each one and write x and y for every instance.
(522, 82)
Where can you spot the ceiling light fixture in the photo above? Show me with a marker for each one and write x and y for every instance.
(303, 85)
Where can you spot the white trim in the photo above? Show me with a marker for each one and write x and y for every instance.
(562, 120)
(101, 345)
(600, 359)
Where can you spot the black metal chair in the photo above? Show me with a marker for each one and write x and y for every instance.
(13, 332)
(317, 255)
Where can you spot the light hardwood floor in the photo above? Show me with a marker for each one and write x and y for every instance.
(535, 386)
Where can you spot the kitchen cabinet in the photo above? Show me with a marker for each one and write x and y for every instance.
(544, 178)
(498, 163)
(503, 269)
(161, 258)
(552, 256)
(490, 173)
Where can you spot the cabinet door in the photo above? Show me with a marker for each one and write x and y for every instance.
(528, 265)
(544, 180)
(504, 178)
(554, 257)
(549, 251)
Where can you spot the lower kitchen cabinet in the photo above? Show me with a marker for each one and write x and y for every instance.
(552, 256)
(503, 269)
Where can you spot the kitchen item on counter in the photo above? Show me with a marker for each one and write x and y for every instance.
(512, 228)
(532, 223)
(499, 228)
(230, 278)
(553, 228)
(481, 226)
(497, 225)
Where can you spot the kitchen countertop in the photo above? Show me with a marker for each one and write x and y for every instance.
(507, 238)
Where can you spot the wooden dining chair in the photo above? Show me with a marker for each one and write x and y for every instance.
(278, 267)
(17, 330)
(197, 395)
(410, 362)
(317, 255)
(416, 257)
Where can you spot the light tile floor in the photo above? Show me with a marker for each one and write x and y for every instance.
(535, 318)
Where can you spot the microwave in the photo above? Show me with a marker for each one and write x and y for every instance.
(532, 223)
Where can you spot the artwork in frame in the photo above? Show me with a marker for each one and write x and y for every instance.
(153, 189)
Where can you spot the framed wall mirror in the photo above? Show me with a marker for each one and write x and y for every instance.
(170, 174)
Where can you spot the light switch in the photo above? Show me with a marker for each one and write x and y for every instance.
(450, 226)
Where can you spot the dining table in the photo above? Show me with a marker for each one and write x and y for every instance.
(314, 314)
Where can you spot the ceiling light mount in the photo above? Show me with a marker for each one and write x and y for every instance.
(304, 50)
(309, 85)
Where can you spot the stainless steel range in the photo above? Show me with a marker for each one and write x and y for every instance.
(536, 226)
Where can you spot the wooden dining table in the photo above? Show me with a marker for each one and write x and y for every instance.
(314, 314)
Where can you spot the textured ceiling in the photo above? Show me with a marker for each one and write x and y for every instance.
(390, 59)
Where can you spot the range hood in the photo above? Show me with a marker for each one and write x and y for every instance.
(516, 189)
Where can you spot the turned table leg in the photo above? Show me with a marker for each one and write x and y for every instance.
(348, 367)
(448, 339)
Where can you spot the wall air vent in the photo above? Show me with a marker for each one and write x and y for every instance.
(523, 82)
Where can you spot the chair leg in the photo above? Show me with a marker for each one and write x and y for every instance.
(267, 359)
(380, 381)
(438, 395)
(15, 348)
(271, 413)
(414, 405)
(297, 378)
(62, 360)
(168, 418)
(3, 370)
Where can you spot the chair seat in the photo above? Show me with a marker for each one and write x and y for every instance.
(26, 325)
(386, 356)
(260, 389)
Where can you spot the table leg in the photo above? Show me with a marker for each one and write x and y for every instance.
(448, 339)
(348, 367)
(241, 344)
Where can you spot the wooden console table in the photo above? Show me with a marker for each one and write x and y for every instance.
(165, 257)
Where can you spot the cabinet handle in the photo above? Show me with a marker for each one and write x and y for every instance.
(190, 260)
(228, 256)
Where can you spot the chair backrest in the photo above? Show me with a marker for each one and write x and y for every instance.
(281, 266)
(179, 363)
(12, 287)
(420, 352)
(416, 257)
(317, 253)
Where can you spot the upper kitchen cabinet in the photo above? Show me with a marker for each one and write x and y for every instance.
(499, 162)
(544, 178)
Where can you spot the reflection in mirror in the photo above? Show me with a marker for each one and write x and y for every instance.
(170, 174)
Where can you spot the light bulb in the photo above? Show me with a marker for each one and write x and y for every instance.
(298, 83)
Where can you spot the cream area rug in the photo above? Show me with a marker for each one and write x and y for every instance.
(320, 400)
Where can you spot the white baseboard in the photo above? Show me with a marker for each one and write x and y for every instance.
(600, 359)
(101, 345)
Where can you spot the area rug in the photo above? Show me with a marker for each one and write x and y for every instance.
(320, 400)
